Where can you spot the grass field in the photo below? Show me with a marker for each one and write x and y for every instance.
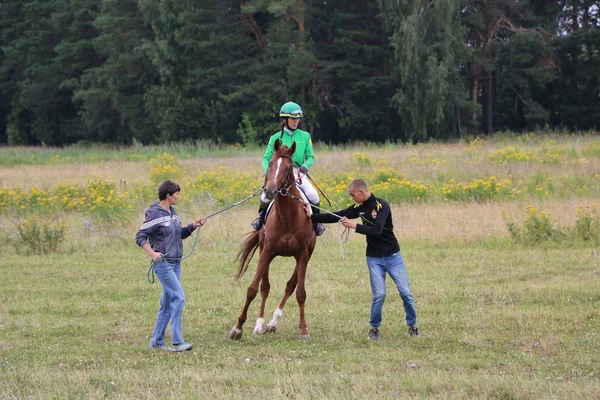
(499, 318)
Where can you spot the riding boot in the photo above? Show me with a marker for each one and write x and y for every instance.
(259, 221)
(318, 227)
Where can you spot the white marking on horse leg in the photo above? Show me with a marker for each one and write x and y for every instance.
(259, 326)
(277, 314)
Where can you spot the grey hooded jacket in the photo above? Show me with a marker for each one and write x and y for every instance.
(163, 230)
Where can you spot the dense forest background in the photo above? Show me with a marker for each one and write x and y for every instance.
(156, 71)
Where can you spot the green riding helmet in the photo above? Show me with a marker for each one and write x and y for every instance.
(291, 110)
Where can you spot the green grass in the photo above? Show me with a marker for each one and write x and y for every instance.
(498, 321)
(98, 153)
(570, 146)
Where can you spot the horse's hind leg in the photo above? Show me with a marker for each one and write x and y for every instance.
(263, 265)
(278, 313)
(264, 293)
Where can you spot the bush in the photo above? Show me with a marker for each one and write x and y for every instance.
(397, 190)
(165, 167)
(512, 154)
(247, 132)
(477, 190)
(536, 228)
(587, 225)
(362, 159)
(39, 236)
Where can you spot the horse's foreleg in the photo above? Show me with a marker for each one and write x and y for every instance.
(301, 297)
(264, 293)
(278, 313)
(263, 264)
(236, 331)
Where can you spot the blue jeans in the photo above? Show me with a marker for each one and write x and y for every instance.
(171, 302)
(394, 266)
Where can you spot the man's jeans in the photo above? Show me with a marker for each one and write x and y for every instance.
(394, 266)
(171, 302)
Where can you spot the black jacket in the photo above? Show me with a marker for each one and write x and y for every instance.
(377, 225)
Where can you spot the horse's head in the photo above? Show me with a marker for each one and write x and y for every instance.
(280, 174)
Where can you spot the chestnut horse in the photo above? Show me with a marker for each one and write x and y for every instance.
(288, 232)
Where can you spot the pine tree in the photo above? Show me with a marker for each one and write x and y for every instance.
(203, 52)
(426, 38)
(11, 68)
(38, 100)
(112, 95)
(574, 96)
(511, 59)
(357, 91)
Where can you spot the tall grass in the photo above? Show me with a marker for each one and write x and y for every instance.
(500, 318)
(96, 153)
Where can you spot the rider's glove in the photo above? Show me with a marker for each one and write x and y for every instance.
(303, 169)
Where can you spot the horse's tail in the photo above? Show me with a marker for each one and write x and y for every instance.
(247, 252)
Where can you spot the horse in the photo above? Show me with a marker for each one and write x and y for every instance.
(288, 232)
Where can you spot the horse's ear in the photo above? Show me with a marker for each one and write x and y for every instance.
(292, 149)
(277, 144)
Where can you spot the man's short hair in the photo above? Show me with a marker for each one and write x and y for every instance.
(359, 184)
(166, 188)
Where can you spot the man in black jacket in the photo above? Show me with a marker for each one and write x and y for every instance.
(383, 250)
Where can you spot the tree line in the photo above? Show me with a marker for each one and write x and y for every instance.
(156, 71)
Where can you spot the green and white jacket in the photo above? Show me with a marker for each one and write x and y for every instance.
(304, 150)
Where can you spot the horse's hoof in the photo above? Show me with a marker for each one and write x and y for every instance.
(235, 333)
(305, 337)
(271, 329)
(257, 332)
(258, 329)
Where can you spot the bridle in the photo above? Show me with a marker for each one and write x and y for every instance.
(285, 189)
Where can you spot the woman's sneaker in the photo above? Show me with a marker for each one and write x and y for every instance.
(182, 347)
(161, 346)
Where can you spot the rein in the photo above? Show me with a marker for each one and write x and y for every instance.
(285, 191)
(150, 273)
(344, 236)
(317, 186)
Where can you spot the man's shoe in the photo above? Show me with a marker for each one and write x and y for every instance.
(413, 331)
(182, 347)
(374, 333)
(319, 229)
(161, 346)
(257, 223)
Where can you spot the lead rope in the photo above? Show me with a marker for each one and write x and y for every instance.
(344, 236)
(344, 239)
(150, 273)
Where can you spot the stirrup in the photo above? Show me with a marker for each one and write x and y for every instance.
(257, 223)
(319, 229)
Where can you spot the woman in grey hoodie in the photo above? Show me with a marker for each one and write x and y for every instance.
(161, 236)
